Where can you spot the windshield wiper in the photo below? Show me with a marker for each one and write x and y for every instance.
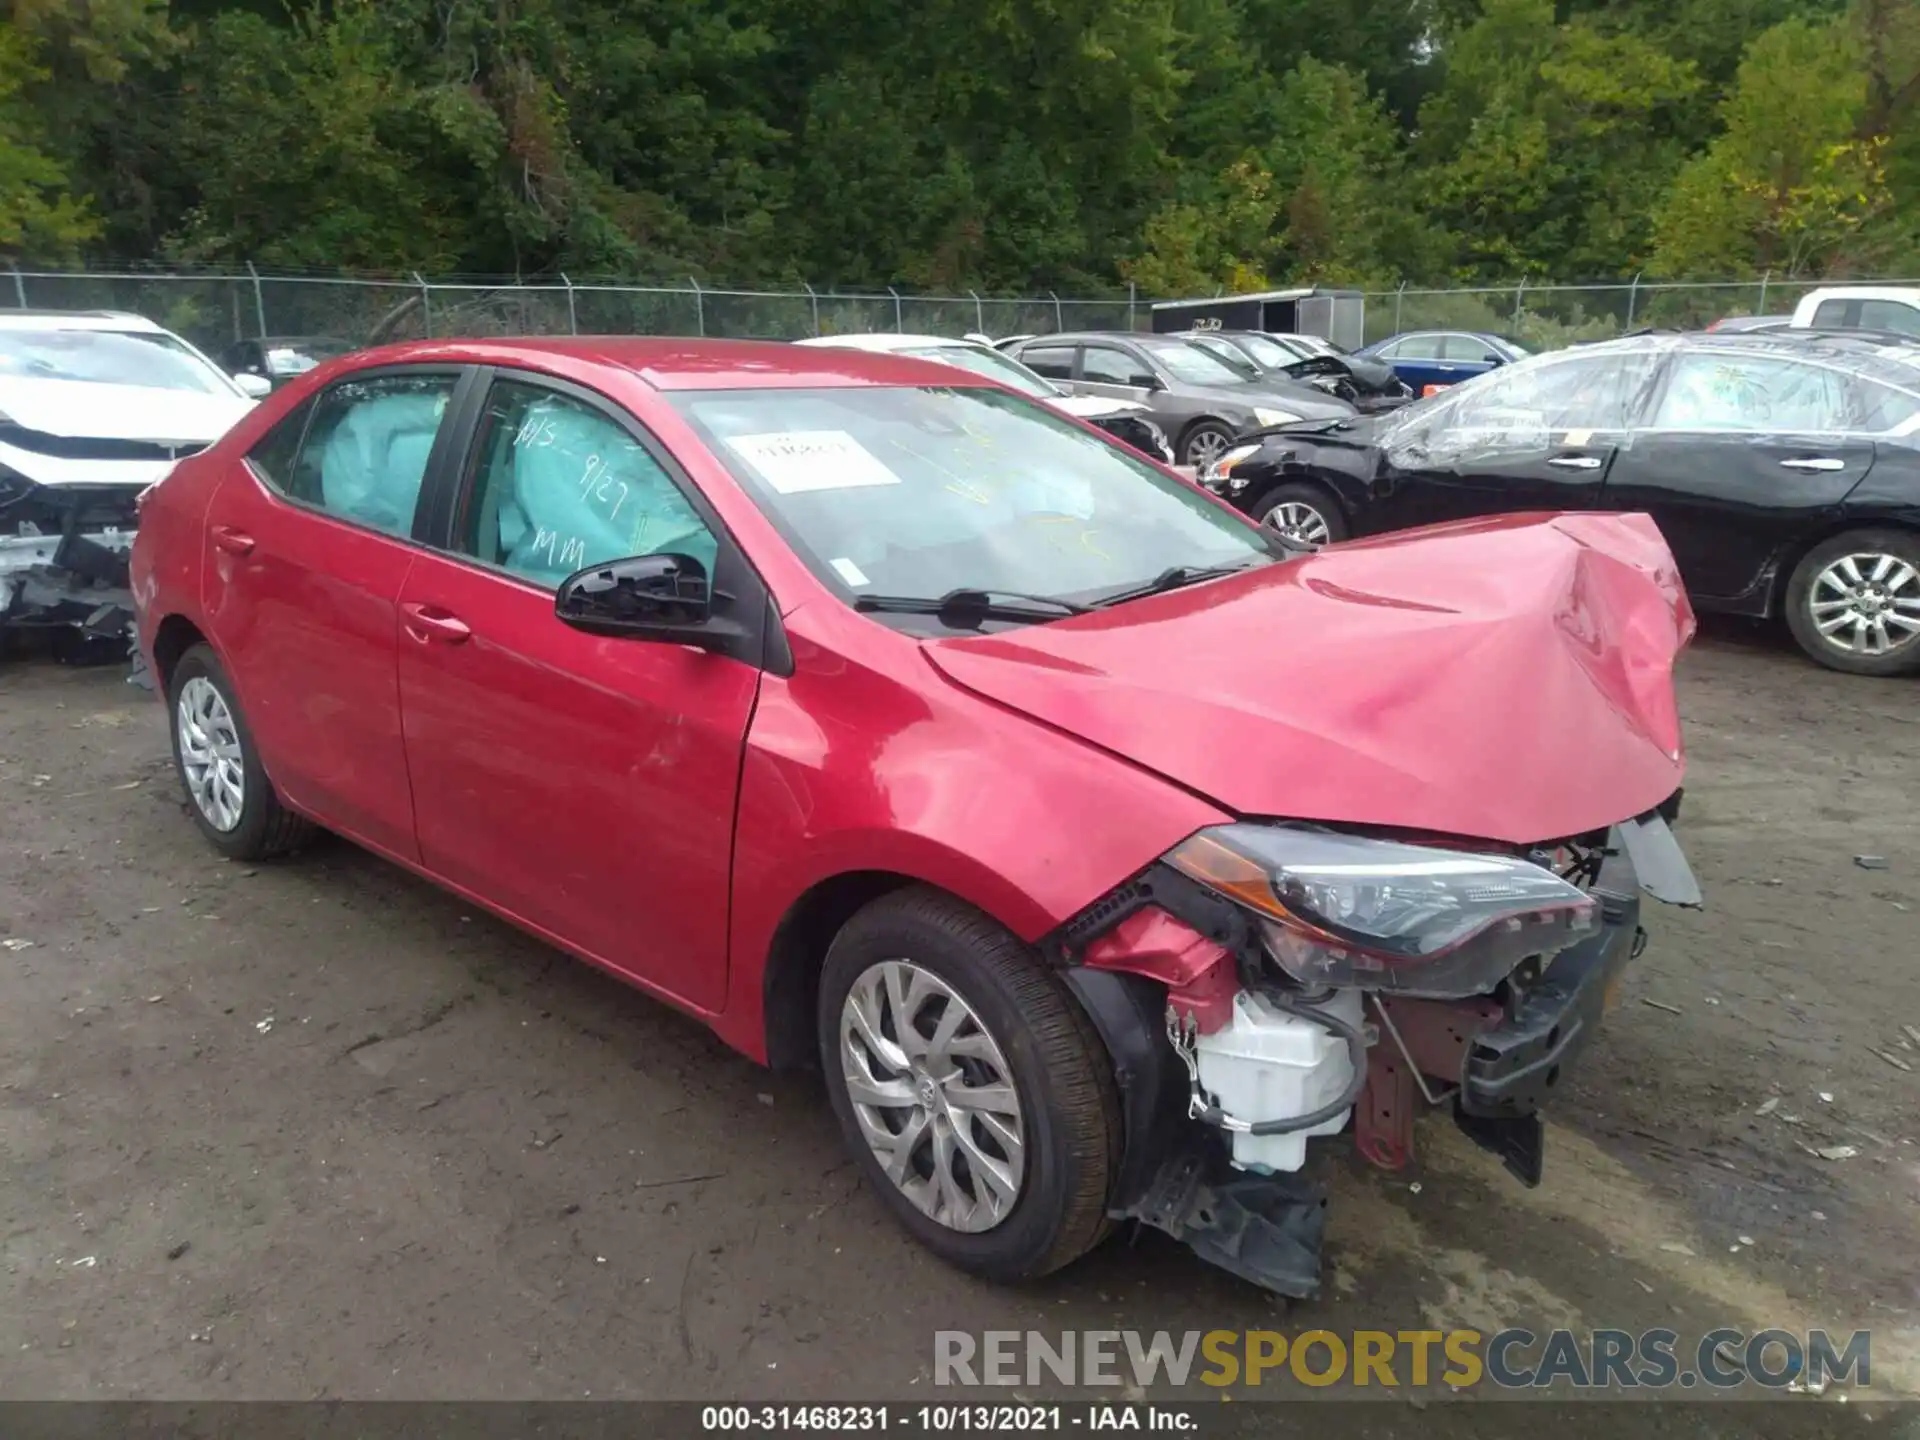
(966, 608)
(1174, 577)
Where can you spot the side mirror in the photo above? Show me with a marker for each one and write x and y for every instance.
(1493, 359)
(254, 387)
(648, 597)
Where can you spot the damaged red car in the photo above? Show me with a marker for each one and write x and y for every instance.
(1102, 849)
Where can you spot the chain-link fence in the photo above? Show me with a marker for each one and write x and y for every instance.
(215, 310)
(1545, 316)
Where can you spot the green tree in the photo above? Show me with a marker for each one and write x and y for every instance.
(39, 218)
(1548, 145)
(1789, 185)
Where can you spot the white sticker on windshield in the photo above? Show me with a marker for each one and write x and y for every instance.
(850, 572)
(797, 461)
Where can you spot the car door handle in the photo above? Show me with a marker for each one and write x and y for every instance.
(429, 622)
(234, 542)
(1576, 462)
(1823, 462)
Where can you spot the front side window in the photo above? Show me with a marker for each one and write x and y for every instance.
(109, 357)
(1527, 406)
(560, 486)
(1752, 392)
(1470, 349)
(366, 449)
(1104, 365)
(917, 492)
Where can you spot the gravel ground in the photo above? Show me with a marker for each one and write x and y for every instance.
(314, 1129)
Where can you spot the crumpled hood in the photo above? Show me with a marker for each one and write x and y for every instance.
(76, 408)
(1509, 679)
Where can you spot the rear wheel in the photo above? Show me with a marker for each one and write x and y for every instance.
(232, 799)
(973, 1092)
(1854, 602)
(1303, 512)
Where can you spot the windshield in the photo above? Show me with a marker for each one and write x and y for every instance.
(990, 363)
(1228, 354)
(108, 357)
(917, 492)
(1270, 353)
(1512, 349)
(1190, 363)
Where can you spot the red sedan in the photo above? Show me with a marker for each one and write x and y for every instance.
(1100, 847)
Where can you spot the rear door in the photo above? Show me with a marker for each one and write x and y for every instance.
(309, 540)
(1541, 436)
(583, 784)
(1742, 454)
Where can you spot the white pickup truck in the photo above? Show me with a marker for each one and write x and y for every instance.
(1860, 307)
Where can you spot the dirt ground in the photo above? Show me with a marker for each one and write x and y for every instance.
(314, 1129)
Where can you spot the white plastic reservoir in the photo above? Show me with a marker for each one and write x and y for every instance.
(1268, 1065)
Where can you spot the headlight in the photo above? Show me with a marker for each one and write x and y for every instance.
(1274, 417)
(1345, 910)
(1214, 477)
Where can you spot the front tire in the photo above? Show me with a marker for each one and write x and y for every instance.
(973, 1092)
(232, 800)
(1853, 603)
(1205, 442)
(1302, 512)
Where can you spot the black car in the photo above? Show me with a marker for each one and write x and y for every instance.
(1370, 386)
(1782, 467)
(281, 358)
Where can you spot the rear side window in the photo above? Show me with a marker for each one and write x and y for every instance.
(1890, 315)
(1836, 315)
(1752, 392)
(1418, 347)
(1053, 361)
(1880, 408)
(366, 449)
(273, 453)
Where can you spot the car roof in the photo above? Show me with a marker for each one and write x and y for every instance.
(120, 320)
(680, 363)
(886, 341)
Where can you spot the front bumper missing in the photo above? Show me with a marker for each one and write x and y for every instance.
(63, 555)
(1494, 1060)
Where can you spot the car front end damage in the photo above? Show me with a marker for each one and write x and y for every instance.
(63, 555)
(1266, 984)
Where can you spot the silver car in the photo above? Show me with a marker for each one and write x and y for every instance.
(1200, 401)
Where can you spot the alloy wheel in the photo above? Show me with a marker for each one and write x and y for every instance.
(933, 1095)
(1205, 448)
(1866, 604)
(210, 753)
(1298, 521)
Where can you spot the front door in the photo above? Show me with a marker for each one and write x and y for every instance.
(584, 784)
(1742, 455)
(309, 541)
(1116, 373)
(1540, 437)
